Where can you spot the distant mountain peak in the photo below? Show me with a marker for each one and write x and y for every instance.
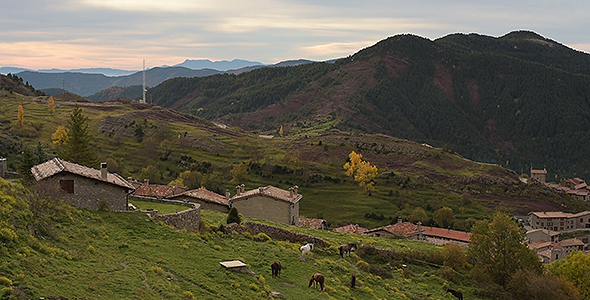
(222, 65)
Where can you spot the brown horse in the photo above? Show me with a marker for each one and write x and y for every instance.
(457, 294)
(317, 278)
(276, 269)
(352, 281)
(344, 249)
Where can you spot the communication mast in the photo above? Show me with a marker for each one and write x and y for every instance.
(143, 90)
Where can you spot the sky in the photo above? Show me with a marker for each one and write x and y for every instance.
(120, 34)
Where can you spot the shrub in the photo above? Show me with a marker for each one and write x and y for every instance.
(188, 295)
(363, 265)
(262, 237)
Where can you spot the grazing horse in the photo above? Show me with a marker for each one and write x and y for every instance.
(305, 249)
(352, 281)
(457, 294)
(276, 269)
(344, 249)
(315, 279)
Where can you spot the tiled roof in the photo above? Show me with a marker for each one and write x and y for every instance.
(401, 228)
(447, 234)
(540, 245)
(158, 190)
(312, 223)
(351, 228)
(206, 195)
(545, 231)
(56, 165)
(551, 214)
(571, 242)
(269, 191)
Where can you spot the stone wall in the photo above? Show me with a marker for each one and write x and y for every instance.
(188, 220)
(185, 220)
(88, 193)
(277, 233)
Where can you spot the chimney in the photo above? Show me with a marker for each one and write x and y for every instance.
(2, 167)
(291, 192)
(146, 181)
(243, 187)
(260, 189)
(227, 194)
(238, 190)
(419, 226)
(103, 170)
(399, 220)
(295, 190)
(449, 230)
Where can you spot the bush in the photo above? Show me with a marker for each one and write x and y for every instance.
(262, 237)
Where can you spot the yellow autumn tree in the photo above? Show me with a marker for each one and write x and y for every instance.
(281, 131)
(51, 104)
(59, 136)
(361, 171)
(21, 116)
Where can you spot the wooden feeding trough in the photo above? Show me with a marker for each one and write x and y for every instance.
(237, 266)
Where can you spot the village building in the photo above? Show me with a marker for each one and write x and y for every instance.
(313, 223)
(442, 236)
(560, 221)
(398, 230)
(539, 175)
(536, 235)
(269, 203)
(158, 190)
(351, 228)
(207, 199)
(81, 186)
(549, 252)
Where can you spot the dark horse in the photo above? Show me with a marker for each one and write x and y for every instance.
(457, 294)
(352, 281)
(344, 249)
(276, 269)
(317, 278)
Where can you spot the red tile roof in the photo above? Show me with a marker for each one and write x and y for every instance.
(571, 242)
(269, 191)
(351, 228)
(447, 234)
(158, 190)
(205, 195)
(56, 165)
(313, 223)
(538, 171)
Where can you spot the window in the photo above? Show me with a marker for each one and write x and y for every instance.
(67, 185)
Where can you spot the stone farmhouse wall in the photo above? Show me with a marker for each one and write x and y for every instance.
(88, 193)
(268, 208)
(276, 233)
(188, 220)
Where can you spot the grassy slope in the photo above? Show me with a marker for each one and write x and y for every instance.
(127, 256)
(424, 177)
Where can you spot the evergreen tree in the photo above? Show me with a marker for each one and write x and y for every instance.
(233, 216)
(27, 162)
(39, 153)
(77, 147)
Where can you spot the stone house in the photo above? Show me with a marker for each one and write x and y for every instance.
(546, 235)
(442, 236)
(398, 230)
(549, 252)
(539, 175)
(207, 199)
(313, 223)
(269, 203)
(81, 186)
(351, 228)
(560, 221)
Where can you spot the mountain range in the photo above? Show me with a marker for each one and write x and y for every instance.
(520, 100)
(86, 82)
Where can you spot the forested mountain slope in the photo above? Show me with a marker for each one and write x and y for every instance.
(520, 100)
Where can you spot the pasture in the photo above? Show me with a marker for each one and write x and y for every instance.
(107, 255)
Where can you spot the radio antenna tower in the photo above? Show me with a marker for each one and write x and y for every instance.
(143, 90)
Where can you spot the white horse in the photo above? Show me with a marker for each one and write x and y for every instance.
(305, 249)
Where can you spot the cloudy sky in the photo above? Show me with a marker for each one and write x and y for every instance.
(69, 34)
